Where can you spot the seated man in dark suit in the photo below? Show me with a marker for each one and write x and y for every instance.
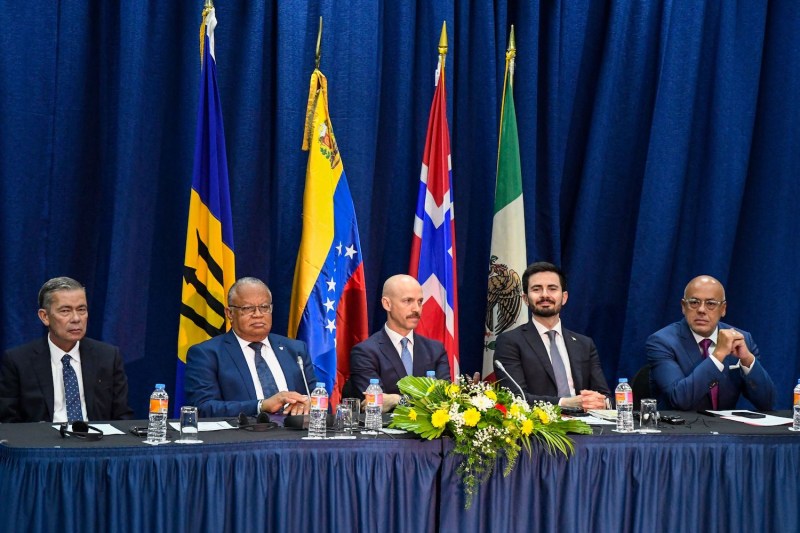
(701, 363)
(550, 363)
(395, 351)
(64, 376)
(249, 369)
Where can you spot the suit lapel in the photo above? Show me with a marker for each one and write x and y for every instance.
(531, 335)
(287, 362)
(234, 351)
(575, 355)
(89, 376)
(44, 374)
(690, 347)
(391, 356)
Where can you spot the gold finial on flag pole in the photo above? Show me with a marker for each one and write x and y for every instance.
(443, 40)
(512, 45)
(319, 44)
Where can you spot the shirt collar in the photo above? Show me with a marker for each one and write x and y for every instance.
(57, 353)
(542, 329)
(396, 337)
(246, 344)
(713, 336)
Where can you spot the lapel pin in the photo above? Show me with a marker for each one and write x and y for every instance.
(280, 347)
(573, 338)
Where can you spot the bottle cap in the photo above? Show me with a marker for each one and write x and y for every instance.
(320, 385)
(374, 381)
(623, 380)
(159, 385)
(432, 374)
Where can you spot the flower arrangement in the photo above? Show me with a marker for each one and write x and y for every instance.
(483, 419)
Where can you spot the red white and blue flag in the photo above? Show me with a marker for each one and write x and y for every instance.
(433, 248)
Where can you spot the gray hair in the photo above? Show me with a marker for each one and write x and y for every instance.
(246, 281)
(62, 283)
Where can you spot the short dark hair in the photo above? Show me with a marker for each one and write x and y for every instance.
(245, 281)
(542, 266)
(50, 286)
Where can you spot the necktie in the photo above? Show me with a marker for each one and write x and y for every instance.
(405, 355)
(268, 386)
(558, 366)
(72, 394)
(704, 345)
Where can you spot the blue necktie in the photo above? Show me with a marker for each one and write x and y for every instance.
(268, 386)
(405, 355)
(72, 393)
(558, 366)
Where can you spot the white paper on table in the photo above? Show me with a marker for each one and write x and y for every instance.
(206, 426)
(768, 420)
(592, 420)
(107, 429)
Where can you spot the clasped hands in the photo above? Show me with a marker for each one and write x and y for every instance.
(587, 399)
(730, 341)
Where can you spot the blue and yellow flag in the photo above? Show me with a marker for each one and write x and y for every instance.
(329, 298)
(209, 267)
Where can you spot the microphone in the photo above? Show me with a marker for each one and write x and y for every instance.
(500, 367)
(302, 371)
(81, 430)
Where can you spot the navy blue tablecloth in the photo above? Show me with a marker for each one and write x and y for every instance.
(255, 485)
(648, 483)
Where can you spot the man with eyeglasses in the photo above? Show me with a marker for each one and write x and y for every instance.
(249, 369)
(701, 363)
(63, 376)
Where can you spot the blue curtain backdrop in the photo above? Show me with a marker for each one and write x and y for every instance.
(659, 140)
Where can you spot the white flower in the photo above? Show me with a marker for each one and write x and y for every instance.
(482, 402)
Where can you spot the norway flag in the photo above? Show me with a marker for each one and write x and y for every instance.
(433, 248)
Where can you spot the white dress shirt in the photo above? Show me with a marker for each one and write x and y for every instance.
(562, 350)
(396, 338)
(717, 362)
(57, 367)
(268, 354)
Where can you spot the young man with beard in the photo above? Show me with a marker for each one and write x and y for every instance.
(395, 351)
(550, 363)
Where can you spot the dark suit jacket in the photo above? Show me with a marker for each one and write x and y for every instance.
(376, 357)
(26, 382)
(525, 358)
(218, 381)
(681, 378)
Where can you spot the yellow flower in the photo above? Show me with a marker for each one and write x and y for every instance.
(439, 418)
(452, 390)
(471, 417)
(412, 414)
(430, 389)
(542, 415)
(513, 410)
(491, 395)
(527, 427)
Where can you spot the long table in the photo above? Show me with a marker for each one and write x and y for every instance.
(710, 475)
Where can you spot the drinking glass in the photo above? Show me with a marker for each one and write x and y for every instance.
(648, 416)
(189, 425)
(354, 405)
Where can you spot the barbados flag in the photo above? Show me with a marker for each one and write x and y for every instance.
(209, 264)
(433, 246)
(329, 300)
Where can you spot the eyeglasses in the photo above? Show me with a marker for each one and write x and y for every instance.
(66, 312)
(251, 309)
(695, 303)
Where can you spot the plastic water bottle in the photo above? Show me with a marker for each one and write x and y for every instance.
(319, 412)
(373, 420)
(431, 374)
(159, 407)
(797, 394)
(624, 397)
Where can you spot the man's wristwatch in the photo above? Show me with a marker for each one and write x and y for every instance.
(404, 401)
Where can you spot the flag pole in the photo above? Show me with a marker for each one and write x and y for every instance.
(443, 43)
(319, 45)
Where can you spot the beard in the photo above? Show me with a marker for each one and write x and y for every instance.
(545, 312)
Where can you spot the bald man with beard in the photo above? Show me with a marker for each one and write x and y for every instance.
(701, 363)
(381, 355)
